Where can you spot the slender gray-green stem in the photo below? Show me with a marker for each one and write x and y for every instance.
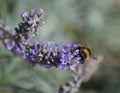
(82, 73)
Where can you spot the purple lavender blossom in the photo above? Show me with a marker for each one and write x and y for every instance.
(31, 21)
(9, 44)
(51, 55)
(48, 54)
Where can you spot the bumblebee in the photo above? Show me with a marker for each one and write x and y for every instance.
(85, 54)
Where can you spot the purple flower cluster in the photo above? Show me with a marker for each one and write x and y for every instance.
(46, 54)
(31, 21)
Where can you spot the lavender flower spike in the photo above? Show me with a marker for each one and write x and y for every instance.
(31, 21)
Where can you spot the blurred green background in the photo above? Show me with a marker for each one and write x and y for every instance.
(94, 22)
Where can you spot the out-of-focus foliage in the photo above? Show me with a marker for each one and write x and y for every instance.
(95, 22)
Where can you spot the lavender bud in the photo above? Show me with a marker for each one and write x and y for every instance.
(28, 27)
